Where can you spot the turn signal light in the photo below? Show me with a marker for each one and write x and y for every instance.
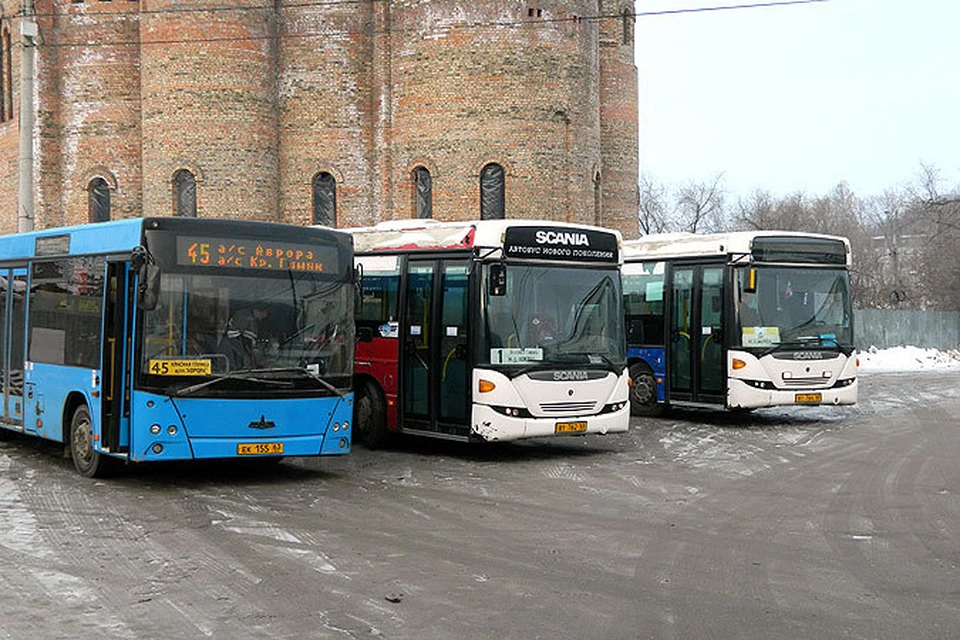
(486, 385)
(738, 364)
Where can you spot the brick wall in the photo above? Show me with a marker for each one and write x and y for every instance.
(257, 98)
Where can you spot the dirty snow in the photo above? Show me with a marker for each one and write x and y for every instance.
(909, 359)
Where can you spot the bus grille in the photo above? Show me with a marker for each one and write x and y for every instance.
(567, 407)
(810, 383)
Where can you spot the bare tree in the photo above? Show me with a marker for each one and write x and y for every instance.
(652, 207)
(699, 205)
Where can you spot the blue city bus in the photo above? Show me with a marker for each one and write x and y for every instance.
(157, 339)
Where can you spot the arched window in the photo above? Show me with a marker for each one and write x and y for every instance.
(325, 199)
(184, 194)
(492, 192)
(98, 200)
(423, 192)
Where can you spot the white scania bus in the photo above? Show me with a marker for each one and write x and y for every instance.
(739, 320)
(488, 331)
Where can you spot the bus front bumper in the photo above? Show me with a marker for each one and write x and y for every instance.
(490, 426)
(743, 396)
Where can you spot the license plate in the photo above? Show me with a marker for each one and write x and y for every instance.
(570, 427)
(259, 448)
(809, 397)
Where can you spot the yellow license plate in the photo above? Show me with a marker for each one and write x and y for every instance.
(809, 397)
(259, 448)
(570, 427)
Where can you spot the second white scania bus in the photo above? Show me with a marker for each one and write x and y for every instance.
(739, 320)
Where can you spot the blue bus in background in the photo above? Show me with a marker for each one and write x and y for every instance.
(156, 339)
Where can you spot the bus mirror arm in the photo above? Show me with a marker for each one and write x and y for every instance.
(148, 292)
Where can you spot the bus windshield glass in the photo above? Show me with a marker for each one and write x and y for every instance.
(294, 326)
(793, 306)
(553, 316)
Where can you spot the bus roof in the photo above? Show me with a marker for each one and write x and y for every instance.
(117, 236)
(682, 245)
(99, 237)
(433, 234)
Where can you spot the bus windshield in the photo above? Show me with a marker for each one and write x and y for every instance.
(293, 325)
(553, 316)
(792, 306)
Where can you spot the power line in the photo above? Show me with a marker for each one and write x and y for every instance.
(520, 23)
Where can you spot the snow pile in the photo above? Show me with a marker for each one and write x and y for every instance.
(909, 359)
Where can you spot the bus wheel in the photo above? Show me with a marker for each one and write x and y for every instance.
(643, 392)
(87, 461)
(370, 419)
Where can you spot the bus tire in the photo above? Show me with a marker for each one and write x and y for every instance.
(88, 462)
(370, 421)
(643, 392)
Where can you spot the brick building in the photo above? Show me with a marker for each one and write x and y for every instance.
(349, 112)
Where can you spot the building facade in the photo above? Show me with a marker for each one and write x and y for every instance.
(343, 113)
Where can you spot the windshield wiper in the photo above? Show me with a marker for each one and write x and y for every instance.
(590, 354)
(313, 376)
(803, 341)
(244, 376)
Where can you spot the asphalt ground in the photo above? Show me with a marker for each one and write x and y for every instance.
(808, 522)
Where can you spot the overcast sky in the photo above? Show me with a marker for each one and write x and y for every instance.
(801, 97)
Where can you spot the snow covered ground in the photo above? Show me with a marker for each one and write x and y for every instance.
(909, 359)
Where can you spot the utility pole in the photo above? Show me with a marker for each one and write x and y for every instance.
(28, 65)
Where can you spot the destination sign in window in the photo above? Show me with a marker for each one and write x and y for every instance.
(246, 253)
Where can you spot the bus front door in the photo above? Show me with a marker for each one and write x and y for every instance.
(114, 401)
(434, 372)
(695, 362)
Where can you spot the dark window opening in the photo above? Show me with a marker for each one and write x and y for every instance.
(185, 194)
(423, 193)
(492, 192)
(325, 199)
(98, 200)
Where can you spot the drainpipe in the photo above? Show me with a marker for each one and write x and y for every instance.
(28, 63)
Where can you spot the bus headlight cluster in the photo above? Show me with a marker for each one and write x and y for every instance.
(845, 382)
(613, 408)
(338, 427)
(759, 384)
(512, 412)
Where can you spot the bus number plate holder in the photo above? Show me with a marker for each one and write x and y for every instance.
(570, 427)
(808, 397)
(259, 448)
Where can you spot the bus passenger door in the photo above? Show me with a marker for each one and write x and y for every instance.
(115, 375)
(434, 369)
(14, 348)
(696, 364)
(416, 369)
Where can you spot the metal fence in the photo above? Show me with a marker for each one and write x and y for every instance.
(884, 328)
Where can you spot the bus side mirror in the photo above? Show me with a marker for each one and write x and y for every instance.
(498, 279)
(148, 293)
(357, 289)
